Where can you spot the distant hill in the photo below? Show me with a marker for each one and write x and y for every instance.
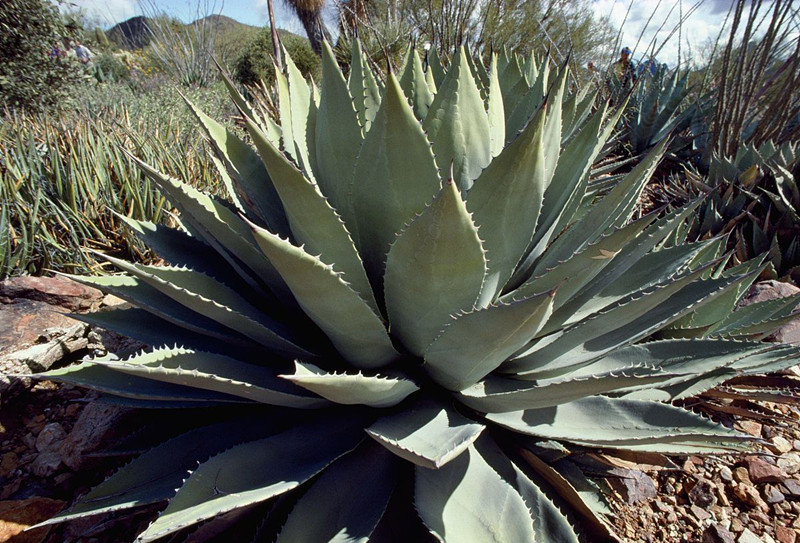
(135, 32)
(131, 34)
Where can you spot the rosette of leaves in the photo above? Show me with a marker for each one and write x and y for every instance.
(754, 197)
(410, 322)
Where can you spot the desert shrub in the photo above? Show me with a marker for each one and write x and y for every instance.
(31, 77)
(255, 64)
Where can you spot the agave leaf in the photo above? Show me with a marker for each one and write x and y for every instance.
(500, 395)
(613, 210)
(575, 488)
(626, 322)
(345, 504)
(466, 500)
(215, 372)
(415, 88)
(476, 343)
(300, 104)
(457, 125)
(149, 479)
(352, 326)
(314, 223)
(153, 301)
(224, 230)
(759, 317)
(505, 202)
(251, 179)
(567, 188)
(254, 472)
(349, 389)
(495, 111)
(209, 297)
(395, 177)
(363, 87)
(150, 329)
(549, 523)
(426, 433)
(177, 247)
(552, 129)
(578, 271)
(633, 269)
(613, 422)
(434, 270)
(337, 139)
(105, 380)
(435, 67)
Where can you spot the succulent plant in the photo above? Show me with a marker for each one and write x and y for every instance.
(409, 321)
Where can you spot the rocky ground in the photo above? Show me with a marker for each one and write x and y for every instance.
(56, 442)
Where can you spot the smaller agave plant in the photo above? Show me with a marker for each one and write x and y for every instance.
(755, 197)
(410, 320)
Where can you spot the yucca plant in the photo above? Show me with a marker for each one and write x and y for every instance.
(408, 323)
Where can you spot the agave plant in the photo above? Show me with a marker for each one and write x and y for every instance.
(409, 323)
(754, 196)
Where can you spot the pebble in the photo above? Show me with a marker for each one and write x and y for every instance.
(725, 474)
(780, 445)
(773, 495)
(785, 535)
(762, 472)
(748, 537)
(50, 438)
(717, 534)
(703, 494)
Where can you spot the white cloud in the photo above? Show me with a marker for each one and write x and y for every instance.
(106, 12)
(650, 24)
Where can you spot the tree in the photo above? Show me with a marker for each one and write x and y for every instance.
(31, 76)
(310, 14)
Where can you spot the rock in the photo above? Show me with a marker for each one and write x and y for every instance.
(750, 427)
(789, 462)
(50, 438)
(780, 445)
(725, 474)
(717, 534)
(748, 537)
(769, 290)
(8, 463)
(17, 515)
(703, 494)
(762, 472)
(773, 495)
(97, 424)
(750, 496)
(45, 464)
(33, 337)
(700, 513)
(633, 485)
(792, 487)
(784, 534)
(741, 475)
(57, 291)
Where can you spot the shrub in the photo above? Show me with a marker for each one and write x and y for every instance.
(255, 64)
(30, 76)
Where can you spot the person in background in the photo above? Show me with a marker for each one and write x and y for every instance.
(83, 53)
(624, 69)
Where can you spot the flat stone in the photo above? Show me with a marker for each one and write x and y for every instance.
(45, 464)
(750, 427)
(784, 534)
(789, 462)
(633, 485)
(96, 425)
(780, 445)
(16, 515)
(57, 291)
(773, 495)
(763, 472)
(717, 533)
(792, 487)
(50, 438)
(750, 496)
(700, 513)
(741, 475)
(725, 474)
(748, 537)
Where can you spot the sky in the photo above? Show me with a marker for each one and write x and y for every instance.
(702, 26)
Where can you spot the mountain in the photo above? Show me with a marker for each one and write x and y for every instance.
(135, 32)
